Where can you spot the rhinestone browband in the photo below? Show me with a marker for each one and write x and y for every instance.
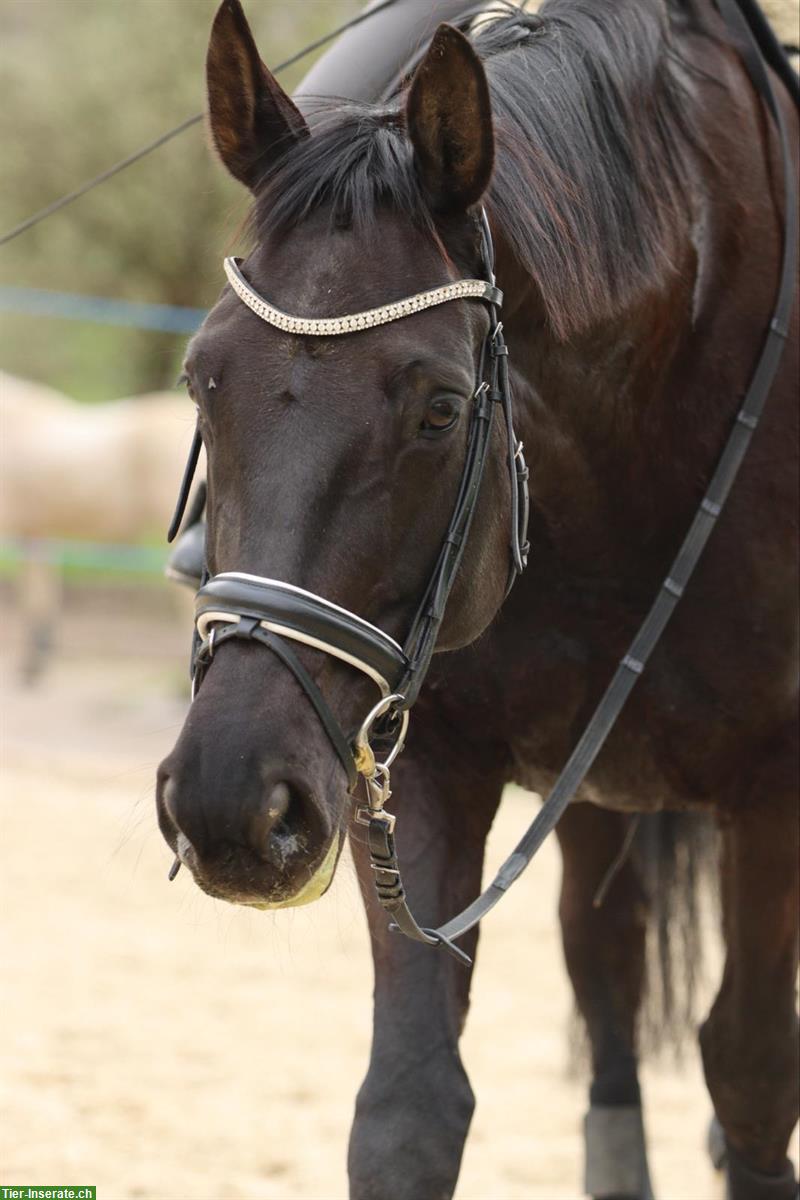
(475, 289)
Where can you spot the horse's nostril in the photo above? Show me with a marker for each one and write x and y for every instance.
(271, 812)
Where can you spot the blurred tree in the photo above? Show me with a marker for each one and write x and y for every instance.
(86, 82)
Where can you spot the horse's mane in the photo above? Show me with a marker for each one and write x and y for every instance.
(590, 133)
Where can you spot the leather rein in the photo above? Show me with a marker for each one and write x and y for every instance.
(270, 612)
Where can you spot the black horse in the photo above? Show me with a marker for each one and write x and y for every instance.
(633, 184)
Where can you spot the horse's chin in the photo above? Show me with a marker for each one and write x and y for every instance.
(314, 887)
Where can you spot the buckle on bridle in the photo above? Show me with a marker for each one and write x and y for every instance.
(377, 779)
(497, 345)
(205, 651)
(365, 816)
(378, 792)
(363, 754)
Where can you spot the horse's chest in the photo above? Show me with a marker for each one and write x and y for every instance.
(666, 750)
(684, 734)
(646, 764)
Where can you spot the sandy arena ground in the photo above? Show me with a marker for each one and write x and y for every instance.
(162, 1045)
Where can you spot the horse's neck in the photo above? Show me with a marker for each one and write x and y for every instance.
(599, 417)
(623, 425)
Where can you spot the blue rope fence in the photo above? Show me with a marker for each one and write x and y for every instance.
(72, 306)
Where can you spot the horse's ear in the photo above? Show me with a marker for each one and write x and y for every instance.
(252, 120)
(449, 122)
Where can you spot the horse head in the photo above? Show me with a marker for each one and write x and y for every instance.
(334, 461)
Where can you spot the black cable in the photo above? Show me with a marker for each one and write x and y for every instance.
(171, 133)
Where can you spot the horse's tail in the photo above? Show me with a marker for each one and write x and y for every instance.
(676, 854)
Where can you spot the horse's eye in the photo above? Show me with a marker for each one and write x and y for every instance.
(442, 414)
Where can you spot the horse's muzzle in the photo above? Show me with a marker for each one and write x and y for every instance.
(269, 846)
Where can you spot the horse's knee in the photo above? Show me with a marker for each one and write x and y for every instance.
(408, 1134)
(749, 1042)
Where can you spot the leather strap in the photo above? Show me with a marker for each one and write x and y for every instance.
(421, 641)
(389, 886)
(186, 485)
(770, 48)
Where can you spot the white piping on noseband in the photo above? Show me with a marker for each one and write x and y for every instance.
(476, 289)
(232, 618)
(292, 587)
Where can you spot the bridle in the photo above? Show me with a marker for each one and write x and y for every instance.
(273, 612)
(234, 605)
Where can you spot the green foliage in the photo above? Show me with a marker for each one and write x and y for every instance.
(86, 82)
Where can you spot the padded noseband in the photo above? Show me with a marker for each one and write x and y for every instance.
(302, 616)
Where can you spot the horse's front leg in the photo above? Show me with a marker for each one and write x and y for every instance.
(415, 1104)
(750, 1039)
